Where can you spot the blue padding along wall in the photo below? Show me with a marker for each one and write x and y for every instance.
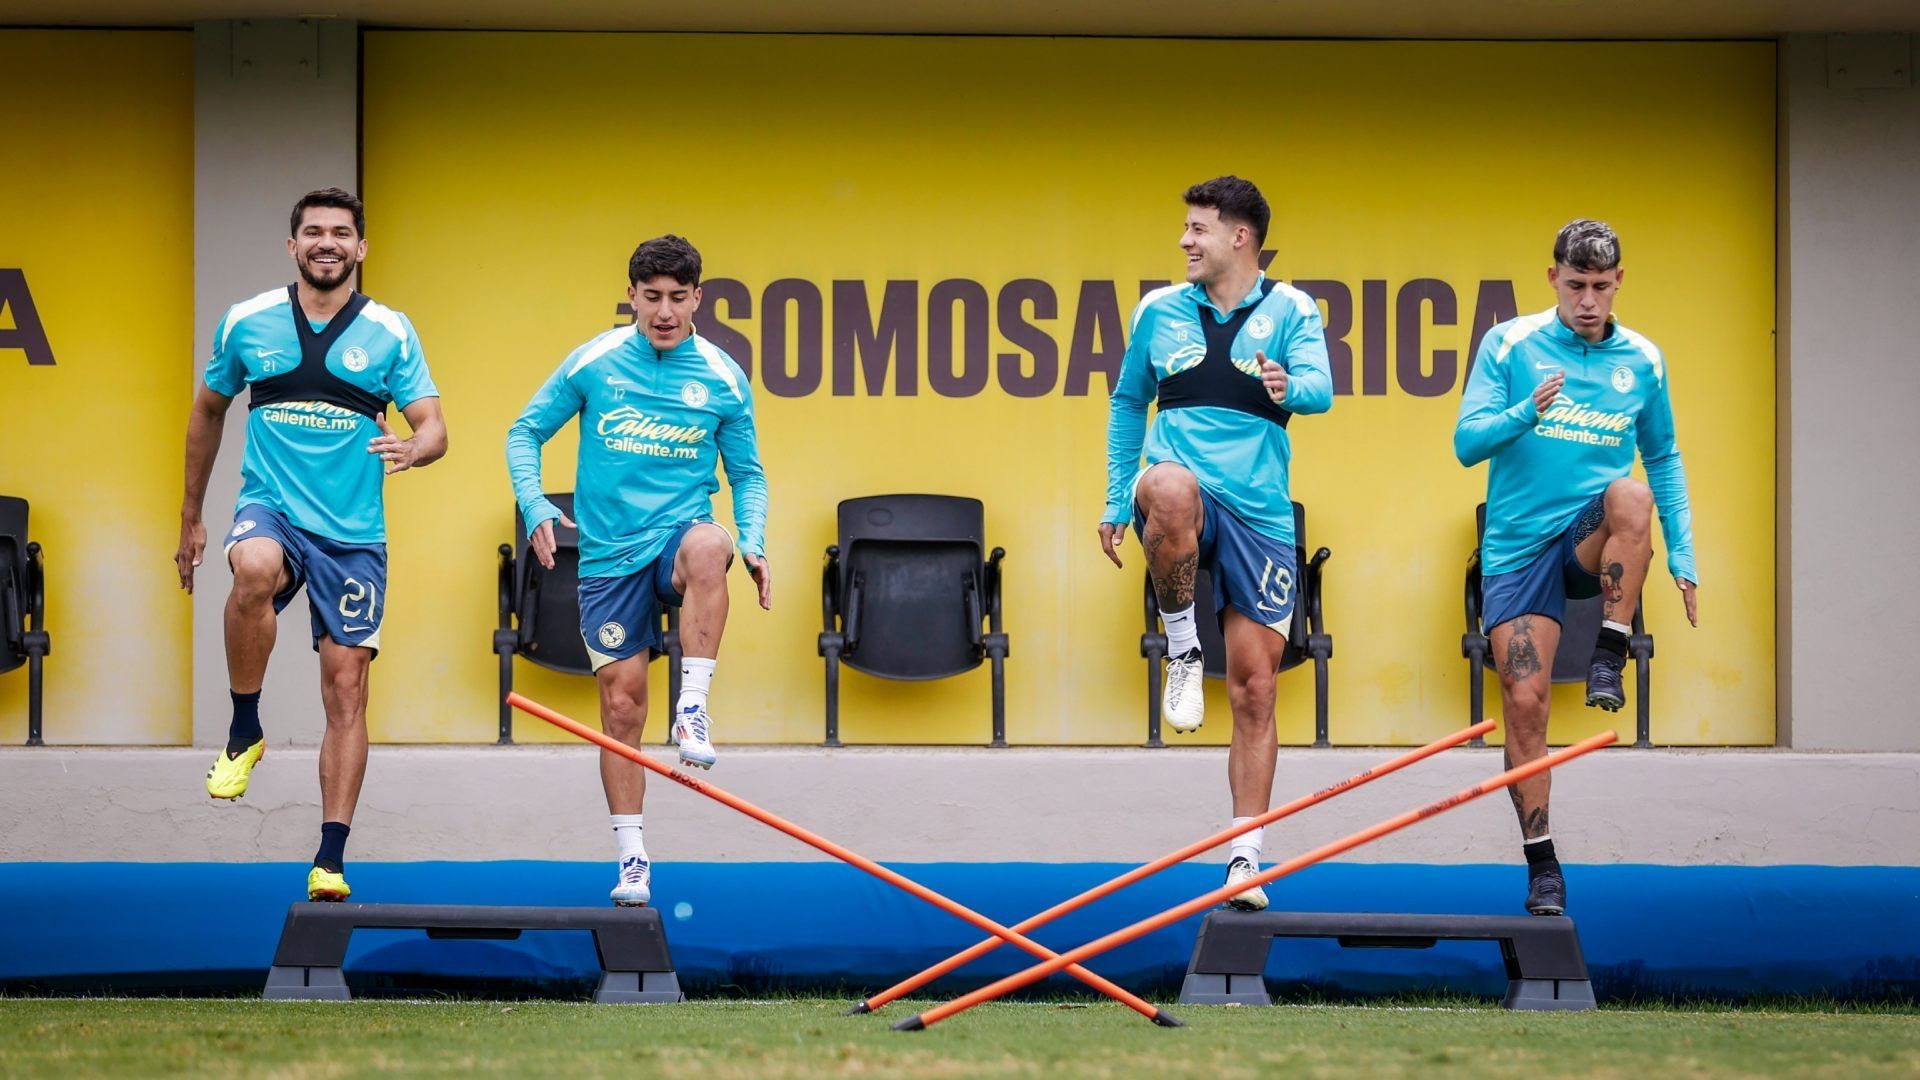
(1852, 932)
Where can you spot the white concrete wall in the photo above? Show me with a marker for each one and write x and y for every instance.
(1850, 171)
(276, 115)
(1670, 807)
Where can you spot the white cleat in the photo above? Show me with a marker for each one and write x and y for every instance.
(1183, 700)
(690, 731)
(1254, 899)
(635, 887)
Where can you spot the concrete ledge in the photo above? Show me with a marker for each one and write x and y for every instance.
(1666, 807)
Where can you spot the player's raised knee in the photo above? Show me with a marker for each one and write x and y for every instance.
(256, 572)
(704, 551)
(1168, 487)
(1629, 502)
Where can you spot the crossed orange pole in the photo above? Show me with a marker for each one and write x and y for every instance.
(1114, 885)
(1267, 877)
(812, 839)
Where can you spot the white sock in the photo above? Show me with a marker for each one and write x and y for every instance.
(1248, 844)
(1182, 633)
(626, 833)
(1621, 627)
(696, 678)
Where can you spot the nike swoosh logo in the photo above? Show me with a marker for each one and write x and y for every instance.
(1538, 366)
(350, 629)
(264, 353)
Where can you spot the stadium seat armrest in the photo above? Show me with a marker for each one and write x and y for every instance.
(830, 589)
(506, 586)
(993, 587)
(36, 586)
(1472, 595)
(1316, 612)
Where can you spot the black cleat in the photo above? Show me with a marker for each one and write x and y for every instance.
(1603, 684)
(1547, 894)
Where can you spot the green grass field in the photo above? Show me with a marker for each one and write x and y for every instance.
(808, 1038)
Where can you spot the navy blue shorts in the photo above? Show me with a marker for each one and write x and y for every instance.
(620, 616)
(346, 583)
(1554, 578)
(1251, 571)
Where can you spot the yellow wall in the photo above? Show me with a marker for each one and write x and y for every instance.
(96, 207)
(508, 177)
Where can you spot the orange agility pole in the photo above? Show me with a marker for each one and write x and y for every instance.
(1266, 877)
(1116, 884)
(566, 723)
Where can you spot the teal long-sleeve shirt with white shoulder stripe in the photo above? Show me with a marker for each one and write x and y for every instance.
(1547, 467)
(652, 425)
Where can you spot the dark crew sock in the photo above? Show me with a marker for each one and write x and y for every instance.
(1611, 646)
(333, 846)
(245, 729)
(1540, 858)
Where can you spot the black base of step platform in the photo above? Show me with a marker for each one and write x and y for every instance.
(1545, 967)
(635, 965)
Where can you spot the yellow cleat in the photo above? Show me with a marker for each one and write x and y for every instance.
(325, 886)
(228, 777)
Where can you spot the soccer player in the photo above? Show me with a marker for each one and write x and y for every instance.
(1560, 401)
(657, 404)
(323, 361)
(1231, 356)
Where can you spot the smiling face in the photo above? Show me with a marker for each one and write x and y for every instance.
(326, 248)
(1585, 297)
(663, 307)
(1214, 247)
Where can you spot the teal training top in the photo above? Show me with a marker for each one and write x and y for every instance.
(652, 425)
(1240, 456)
(1547, 468)
(308, 459)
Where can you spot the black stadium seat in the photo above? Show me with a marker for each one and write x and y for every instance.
(905, 593)
(23, 606)
(1307, 638)
(1578, 632)
(540, 612)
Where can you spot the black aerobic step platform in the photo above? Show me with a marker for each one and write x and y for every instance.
(1545, 968)
(630, 941)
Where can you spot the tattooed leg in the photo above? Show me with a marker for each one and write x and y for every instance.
(1524, 647)
(1171, 498)
(1621, 549)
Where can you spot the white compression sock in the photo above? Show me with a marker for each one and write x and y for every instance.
(1182, 632)
(627, 834)
(696, 679)
(1248, 844)
(1619, 627)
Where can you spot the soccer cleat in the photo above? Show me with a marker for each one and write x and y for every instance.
(1603, 684)
(690, 731)
(1183, 699)
(326, 886)
(635, 886)
(1254, 899)
(1547, 893)
(228, 777)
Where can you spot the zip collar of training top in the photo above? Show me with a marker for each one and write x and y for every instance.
(686, 346)
(1198, 293)
(1568, 336)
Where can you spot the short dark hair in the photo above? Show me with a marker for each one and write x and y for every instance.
(670, 255)
(1237, 200)
(1587, 245)
(329, 196)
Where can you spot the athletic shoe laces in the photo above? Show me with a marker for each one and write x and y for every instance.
(695, 719)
